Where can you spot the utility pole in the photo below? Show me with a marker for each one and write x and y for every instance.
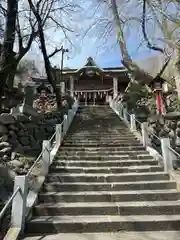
(63, 50)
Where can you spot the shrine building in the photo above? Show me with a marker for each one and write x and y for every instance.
(90, 83)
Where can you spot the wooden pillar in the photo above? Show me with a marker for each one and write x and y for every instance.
(107, 97)
(62, 88)
(78, 95)
(115, 87)
(85, 98)
(72, 86)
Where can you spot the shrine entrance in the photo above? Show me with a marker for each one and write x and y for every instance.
(92, 85)
(92, 97)
(89, 85)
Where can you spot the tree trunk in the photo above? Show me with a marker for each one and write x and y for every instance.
(140, 75)
(45, 55)
(48, 66)
(12, 73)
(8, 44)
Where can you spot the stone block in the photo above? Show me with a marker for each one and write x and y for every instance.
(172, 116)
(24, 141)
(21, 118)
(25, 110)
(4, 138)
(3, 130)
(16, 163)
(4, 145)
(6, 118)
(5, 150)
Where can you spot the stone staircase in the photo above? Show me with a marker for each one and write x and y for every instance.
(103, 180)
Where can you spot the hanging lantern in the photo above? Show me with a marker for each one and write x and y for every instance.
(156, 86)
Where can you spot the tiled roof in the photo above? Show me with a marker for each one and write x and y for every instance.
(154, 64)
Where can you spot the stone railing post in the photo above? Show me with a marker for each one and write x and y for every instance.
(73, 108)
(132, 123)
(115, 105)
(46, 157)
(125, 115)
(110, 101)
(65, 125)
(168, 156)
(18, 212)
(144, 131)
(58, 134)
(70, 115)
(119, 109)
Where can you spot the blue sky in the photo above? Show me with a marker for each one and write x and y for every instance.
(107, 58)
(105, 52)
(103, 56)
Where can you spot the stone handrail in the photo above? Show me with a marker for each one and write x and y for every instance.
(26, 187)
(9, 203)
(167, 157)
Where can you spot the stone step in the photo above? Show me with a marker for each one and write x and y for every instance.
(107, 135)
(124, 235)
(122, 177)
(82, 163)
(74, 169)
(110, 120)
(94, 120)
(104, 180)
(114, 186)
(93, 129)
(94, 132)
(113, 196)
(108, 138)
(99, 125)
(101, 143)
(65, 151)
(91, 148)
(108, 208)
(91, 132)
(106, 157)
(97, 135)
(95, 148)
(106, 223)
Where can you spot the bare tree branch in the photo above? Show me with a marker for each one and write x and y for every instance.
(149, 45)
(59, 25)
(19, 33)
(54, 52)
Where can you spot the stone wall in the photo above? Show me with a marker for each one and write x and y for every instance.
(165, 126)
(21, 138)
